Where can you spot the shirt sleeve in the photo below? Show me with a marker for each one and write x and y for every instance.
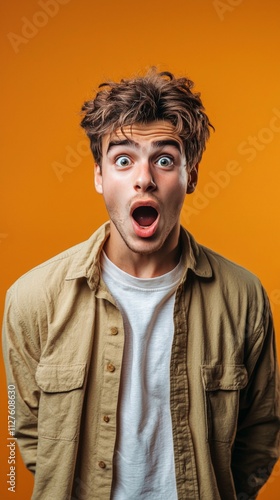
(256, 447)
(21, 356)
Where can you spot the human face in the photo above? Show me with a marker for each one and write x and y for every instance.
(143, 180)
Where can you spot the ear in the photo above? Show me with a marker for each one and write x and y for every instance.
(98, 180)
(192, 179)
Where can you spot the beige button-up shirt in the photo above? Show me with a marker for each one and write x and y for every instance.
(63, 347)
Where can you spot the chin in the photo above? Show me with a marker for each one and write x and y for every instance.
(145, 247)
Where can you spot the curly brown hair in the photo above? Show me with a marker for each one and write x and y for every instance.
(155, 96)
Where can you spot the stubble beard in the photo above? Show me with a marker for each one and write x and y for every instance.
(134, 248)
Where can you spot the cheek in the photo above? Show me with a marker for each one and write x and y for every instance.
(178, 181)
(178, 189)
(113, 196)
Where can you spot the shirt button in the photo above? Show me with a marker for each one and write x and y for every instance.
(102, 465)
(106, 419)
(114, 330)
(111, 367)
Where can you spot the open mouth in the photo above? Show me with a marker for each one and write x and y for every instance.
(145, 216)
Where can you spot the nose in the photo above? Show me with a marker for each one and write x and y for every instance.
(144, 179)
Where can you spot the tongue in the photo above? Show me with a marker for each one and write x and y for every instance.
(145, 216)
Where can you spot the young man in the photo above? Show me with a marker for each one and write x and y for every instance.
(144, 363)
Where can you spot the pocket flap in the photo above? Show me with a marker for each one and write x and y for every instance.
(225, 377)
(60, 378)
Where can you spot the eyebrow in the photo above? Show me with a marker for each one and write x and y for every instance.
(155, 144)
(124, 142)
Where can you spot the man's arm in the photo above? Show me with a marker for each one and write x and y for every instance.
(256, 447)
(21, 356)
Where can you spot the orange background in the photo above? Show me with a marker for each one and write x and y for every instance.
(231, 50)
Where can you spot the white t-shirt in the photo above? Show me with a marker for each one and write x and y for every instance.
(144, 456)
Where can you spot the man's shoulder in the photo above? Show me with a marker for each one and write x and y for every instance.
(221, 262)
(224, 272)
(58, 264)
(72, 262)
(234, 280)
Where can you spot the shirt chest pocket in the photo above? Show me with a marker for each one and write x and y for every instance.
(61, 400)
(222, 384)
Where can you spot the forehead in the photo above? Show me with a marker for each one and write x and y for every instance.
(143, 133)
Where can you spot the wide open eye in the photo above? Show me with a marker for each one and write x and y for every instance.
(123, 161)
(165, 161)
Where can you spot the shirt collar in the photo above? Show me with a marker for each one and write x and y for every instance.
(194, 256)
(86, 261)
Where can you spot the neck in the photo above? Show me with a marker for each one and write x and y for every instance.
(144, 265)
